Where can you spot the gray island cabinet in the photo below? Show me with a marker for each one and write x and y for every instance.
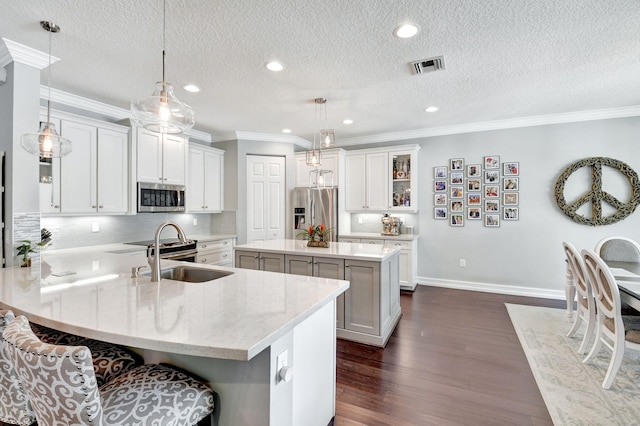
(370, 309)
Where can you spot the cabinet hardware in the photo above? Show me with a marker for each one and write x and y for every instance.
(93, 207)
(204, 246)
(225, 243)
(101, 207)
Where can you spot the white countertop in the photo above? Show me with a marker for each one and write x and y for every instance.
(350, 251)
(234, 317)
(379, 236)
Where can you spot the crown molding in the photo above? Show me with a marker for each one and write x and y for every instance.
(10, 51)
(262, 137)
(538, 120)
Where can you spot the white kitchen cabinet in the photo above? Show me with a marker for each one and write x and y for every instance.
(331, 160)
(323, 267)
(218, 252)
(205, 182)
(272, 262)
(367, 181)
(160, 157)
(93, 177)
(372, 185)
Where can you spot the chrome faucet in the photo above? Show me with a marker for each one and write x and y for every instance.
(154, 262)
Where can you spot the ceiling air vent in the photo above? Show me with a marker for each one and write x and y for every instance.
(428, 65)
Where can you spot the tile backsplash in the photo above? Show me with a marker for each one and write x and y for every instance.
(76, 231)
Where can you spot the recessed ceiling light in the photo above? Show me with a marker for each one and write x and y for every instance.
(274, 66)
(191, 88)
(431, 109)
(406, 31)
(347, 121)
(286, 130)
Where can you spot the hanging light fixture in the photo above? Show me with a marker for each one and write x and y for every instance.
(327, 136)
(162, 112)
(314, 156)
(46, 142)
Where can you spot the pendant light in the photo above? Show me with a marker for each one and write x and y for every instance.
(46, 142)
(327, 136)
(314, 156)
(162, 112)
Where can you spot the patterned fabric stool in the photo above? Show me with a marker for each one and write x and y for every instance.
(148, 394)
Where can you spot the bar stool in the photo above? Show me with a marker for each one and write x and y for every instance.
(61, 384)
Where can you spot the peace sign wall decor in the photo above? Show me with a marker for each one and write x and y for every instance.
(597, 196)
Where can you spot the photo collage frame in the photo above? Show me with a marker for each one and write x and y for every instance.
(487, 191)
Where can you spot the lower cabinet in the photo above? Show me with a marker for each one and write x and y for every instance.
(272, 262)
(219, 252)
(319, 267)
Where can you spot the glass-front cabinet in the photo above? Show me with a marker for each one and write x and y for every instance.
(404, 180)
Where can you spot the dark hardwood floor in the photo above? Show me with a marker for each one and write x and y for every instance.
(454, 359)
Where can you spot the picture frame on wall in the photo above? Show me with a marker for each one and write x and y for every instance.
(492, 176)
(492, 206)
(491, 191)
(457, 192)
(474, 185)
(492, 162)
(474, 199)
(474, 170)
(510, 184)
(456, 164)
(510, 198)
(440, 186)
(511, 168)
(456, 219)
(440, 213)
(474, 213)
(457, 206)
(457, 178)
(510, 213)
(491, 220)
(440, 199)
(440, 172)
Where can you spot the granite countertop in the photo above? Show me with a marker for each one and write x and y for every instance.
(335, 250)
(234, 317)
(379, 236)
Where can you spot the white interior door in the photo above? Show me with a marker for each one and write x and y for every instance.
(266, 191)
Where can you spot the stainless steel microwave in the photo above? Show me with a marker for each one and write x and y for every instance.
(154, 197)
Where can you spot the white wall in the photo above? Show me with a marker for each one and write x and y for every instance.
(525, 256)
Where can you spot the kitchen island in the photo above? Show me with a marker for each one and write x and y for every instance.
(369, 310)
(231, 331)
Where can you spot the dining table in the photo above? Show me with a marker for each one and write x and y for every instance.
(627, 275)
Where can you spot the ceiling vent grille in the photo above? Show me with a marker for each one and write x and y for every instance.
(427, 65)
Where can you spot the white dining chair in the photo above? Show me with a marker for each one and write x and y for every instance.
(62, 387)
(619, 249)
(613, 330)
(586, 306)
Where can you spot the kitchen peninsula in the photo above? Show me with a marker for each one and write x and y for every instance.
(231, 331)
(369, 310)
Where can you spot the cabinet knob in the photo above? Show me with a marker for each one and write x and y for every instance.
(206, 207)
(56, 206)
(93, 207)
(204, 260)
(346, 265)
(309, 262)
(204, 246)
(159, 178)
(101, 207)
(225, 255)
(225, 243)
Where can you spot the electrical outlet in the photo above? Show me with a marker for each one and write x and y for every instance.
(195, 221)
(463, 263)
(359, 220)
(95, 226)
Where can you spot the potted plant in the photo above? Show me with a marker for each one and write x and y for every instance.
(28, 247)
(316, 235)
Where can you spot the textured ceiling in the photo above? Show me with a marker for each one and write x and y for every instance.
(504, 58)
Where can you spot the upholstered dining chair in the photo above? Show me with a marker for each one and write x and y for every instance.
(613, 330)
(586, 306)
(62, 387)
(619, 249)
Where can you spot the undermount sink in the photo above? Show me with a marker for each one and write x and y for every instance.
(192, 275)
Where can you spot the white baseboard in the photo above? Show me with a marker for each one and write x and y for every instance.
(494, 288)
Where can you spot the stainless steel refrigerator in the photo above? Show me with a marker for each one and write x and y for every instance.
(313, 206)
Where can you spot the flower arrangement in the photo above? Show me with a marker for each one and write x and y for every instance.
(316, 235)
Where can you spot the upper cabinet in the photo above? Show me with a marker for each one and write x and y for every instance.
(204, 193)
(93, 177)
(382, 179)
(160, 157)
(306, 176)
